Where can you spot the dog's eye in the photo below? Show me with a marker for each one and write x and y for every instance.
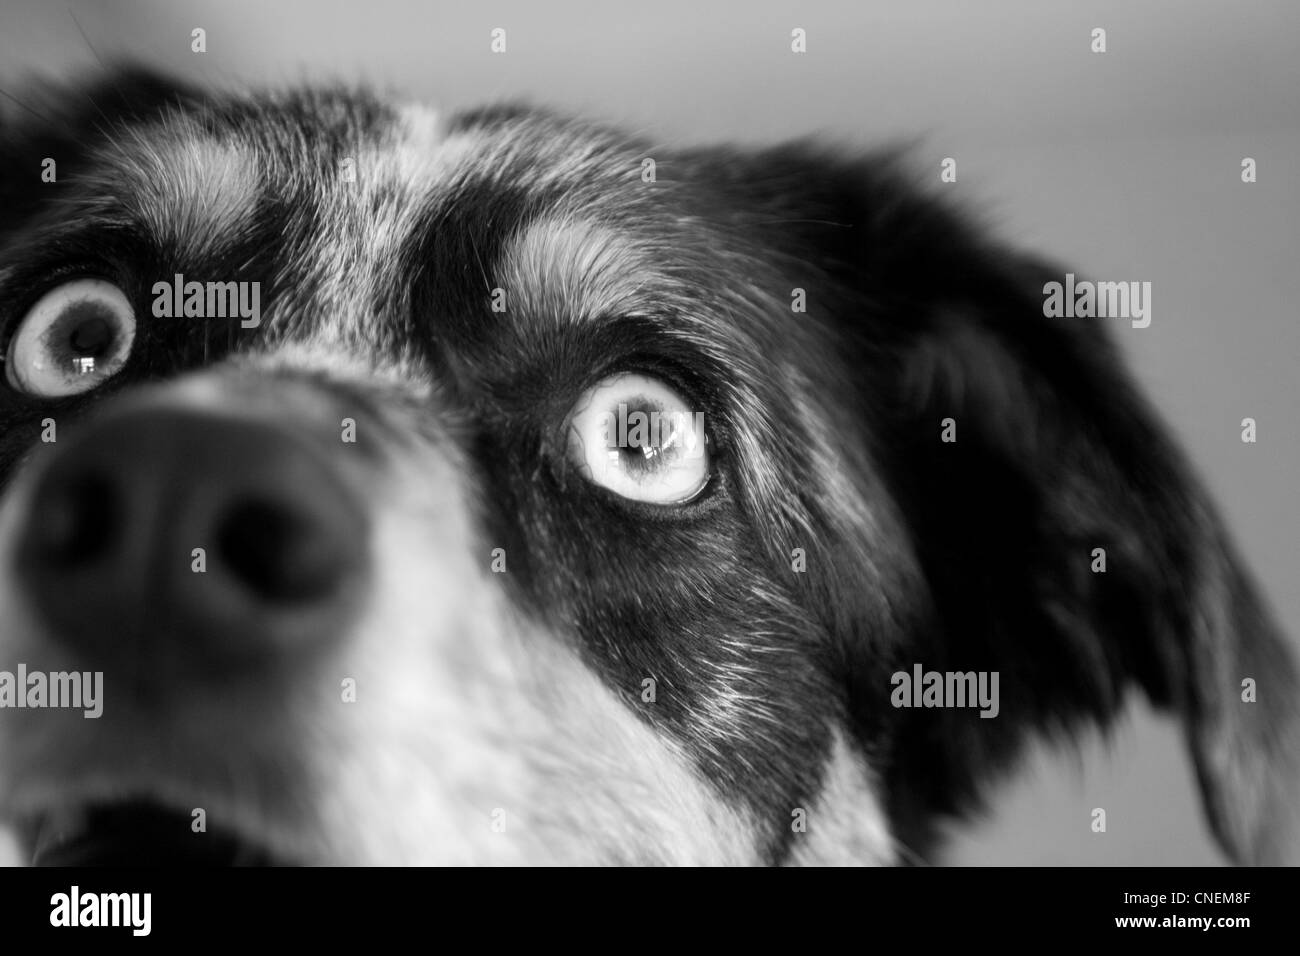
(78, 335)
(637, 437)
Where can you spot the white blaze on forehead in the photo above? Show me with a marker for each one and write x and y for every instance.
(184, 187)
(369, 219)
(573, 268)
(422, 136)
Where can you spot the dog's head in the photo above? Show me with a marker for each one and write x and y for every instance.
(360, 509)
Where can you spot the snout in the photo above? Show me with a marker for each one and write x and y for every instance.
(192, 540)
(304, 638)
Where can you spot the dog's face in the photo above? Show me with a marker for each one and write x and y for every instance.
(383, 569)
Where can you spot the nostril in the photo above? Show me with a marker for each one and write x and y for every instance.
(76, 521)
(105, 553)
(281, 554)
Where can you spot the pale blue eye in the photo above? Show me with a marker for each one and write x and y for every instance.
(75, 337)
(639, 438)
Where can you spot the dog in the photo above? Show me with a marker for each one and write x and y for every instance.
(500, 489)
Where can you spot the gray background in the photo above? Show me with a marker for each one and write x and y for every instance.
(1123, 165)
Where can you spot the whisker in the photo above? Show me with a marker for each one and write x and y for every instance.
(104, 65)
(13, 99)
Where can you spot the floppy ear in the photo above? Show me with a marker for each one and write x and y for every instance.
(1055, 456)
(1069, 546)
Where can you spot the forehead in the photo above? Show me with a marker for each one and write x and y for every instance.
(192, 176)
(352, 197)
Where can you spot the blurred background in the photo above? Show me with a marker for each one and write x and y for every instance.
(1124, 165)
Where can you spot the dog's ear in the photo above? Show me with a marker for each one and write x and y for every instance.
(40, 122)
(1063, 540)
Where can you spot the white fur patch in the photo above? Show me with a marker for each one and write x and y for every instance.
(184, 187)
(572, 268)
(483, 719)
(846, 825)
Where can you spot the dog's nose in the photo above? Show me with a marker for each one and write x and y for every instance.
(208, 540)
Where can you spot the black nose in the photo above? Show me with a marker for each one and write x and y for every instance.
(203, 540)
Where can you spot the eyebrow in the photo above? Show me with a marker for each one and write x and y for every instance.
(575, 269)
(185, 188)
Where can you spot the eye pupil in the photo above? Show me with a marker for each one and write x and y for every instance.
(91, 336)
